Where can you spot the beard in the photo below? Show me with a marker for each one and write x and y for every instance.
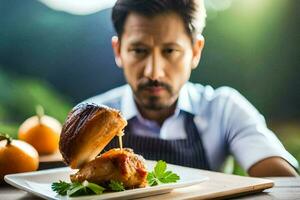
(154, 102)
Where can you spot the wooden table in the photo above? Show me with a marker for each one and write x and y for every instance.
(285, 188)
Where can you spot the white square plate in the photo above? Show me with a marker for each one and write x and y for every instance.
(39, 183)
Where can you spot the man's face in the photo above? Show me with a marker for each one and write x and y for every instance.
(157, 56)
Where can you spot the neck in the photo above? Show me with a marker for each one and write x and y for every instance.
(157, 115)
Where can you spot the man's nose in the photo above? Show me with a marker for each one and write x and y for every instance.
(154, 68)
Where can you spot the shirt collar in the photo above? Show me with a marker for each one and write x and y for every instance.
(184, 100)
(129, 109)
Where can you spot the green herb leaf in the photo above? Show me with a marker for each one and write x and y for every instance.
(76, 189)
(116, 186)
(169, 177)
(60, 187)
(160, 168)
(151, 179)
(160, 175)
(97, 189)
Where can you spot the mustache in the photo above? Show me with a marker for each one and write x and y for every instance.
(154, 83)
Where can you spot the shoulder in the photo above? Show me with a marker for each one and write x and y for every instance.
(209, 93)
(223, 104)
(203, 96)
(110, 98)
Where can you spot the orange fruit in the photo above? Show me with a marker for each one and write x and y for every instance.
(42, 132)
(16, 156)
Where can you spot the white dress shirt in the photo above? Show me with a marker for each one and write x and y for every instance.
(229, 124)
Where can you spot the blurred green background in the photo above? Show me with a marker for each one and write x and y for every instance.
(57, 59)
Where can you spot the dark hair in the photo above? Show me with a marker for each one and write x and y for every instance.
(192, 12)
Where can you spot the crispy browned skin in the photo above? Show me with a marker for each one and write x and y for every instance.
(115, 164)
(87, 130)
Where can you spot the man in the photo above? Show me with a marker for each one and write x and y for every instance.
(159, 43)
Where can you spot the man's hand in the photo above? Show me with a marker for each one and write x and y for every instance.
(273, 166)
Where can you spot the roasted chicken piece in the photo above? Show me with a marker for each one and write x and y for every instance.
(87, 130)
(115, 164)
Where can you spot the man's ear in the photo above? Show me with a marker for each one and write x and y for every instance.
(197, 50)
(117, 50)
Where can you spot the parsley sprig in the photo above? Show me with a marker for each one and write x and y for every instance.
(61, 187)
(76, 189)
(160, 175)
(116, 186)
(84, 188)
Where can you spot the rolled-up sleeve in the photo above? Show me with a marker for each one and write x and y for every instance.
(247, 135)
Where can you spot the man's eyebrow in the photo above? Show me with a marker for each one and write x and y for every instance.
(172, 44)
(137, 43)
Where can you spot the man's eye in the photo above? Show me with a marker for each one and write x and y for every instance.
(139, 51)
(169, 50)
